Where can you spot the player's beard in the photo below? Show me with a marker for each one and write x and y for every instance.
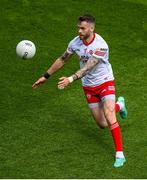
(84, 37)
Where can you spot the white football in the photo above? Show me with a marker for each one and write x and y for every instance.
(25, 49)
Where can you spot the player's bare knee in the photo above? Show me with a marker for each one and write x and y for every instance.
(109, 113)
(103, 125)
(101, 122)
(109, 108)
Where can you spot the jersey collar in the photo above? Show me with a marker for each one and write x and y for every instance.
(87, 43)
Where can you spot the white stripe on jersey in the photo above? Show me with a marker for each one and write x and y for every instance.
(98, 48)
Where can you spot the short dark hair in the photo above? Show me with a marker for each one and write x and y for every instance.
(88, 18)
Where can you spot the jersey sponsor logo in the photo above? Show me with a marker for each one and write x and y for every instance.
(84, 58)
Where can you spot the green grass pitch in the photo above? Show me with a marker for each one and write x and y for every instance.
(49, 133)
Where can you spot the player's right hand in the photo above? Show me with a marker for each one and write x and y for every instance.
(39, 82)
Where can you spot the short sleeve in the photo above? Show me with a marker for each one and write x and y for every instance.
(70, 48)
(101, 53)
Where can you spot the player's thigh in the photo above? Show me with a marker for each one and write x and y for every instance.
(94, 103)
(99, 117)
(107, 96)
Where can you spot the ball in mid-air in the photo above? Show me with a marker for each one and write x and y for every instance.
(25, 49)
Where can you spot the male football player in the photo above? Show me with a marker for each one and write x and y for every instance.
(97, 80)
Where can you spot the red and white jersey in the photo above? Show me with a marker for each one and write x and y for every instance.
(97, 48)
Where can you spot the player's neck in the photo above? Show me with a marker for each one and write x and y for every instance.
(90, 39)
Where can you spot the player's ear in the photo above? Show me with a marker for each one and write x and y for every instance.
(92, 27)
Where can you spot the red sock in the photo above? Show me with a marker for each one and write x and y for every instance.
(117, 107)
(116, 134)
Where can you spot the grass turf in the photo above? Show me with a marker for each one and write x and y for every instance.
(48, 133)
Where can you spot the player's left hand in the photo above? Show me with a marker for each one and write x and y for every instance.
(64, 81)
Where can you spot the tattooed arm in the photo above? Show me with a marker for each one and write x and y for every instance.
(88, 66)
(55, 67)
(64, 81)
(59, 63)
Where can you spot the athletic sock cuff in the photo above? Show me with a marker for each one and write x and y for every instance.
(113, 126)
